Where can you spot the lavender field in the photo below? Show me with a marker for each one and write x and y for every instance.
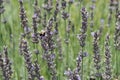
(59, 39)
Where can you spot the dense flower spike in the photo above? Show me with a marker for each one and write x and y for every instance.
(5, 65)
(108, 74)
(63, 4)
(117, 6)
(83, 30)
(75, 74)
(48, 5)
(37, 12)
(31, 68)
(72, 75)
(84, 20)
(117, 32)
(47, 44)
(23, 17)
(97, 57)
(65, 15)
(27, 57)
(37, 71)
(36, 20)
(82, 38)
(2, 66)
(57, 10)
(114, 5)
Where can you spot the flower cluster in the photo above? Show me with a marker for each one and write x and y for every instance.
(24, 20)
(33, 69)
(108, 72)
(117, 32)
(5, 65)
(96, 51)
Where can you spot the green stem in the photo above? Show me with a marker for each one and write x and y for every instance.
(117, 64)
(66, 45)
(82, 64)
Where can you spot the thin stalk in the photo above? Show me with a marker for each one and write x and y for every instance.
(82, 63)
(69, 8)
(36, 47)
(80, 5)
(25, 73)
(49, 15)
(66, 45)
(117, 64)
(67, 55)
